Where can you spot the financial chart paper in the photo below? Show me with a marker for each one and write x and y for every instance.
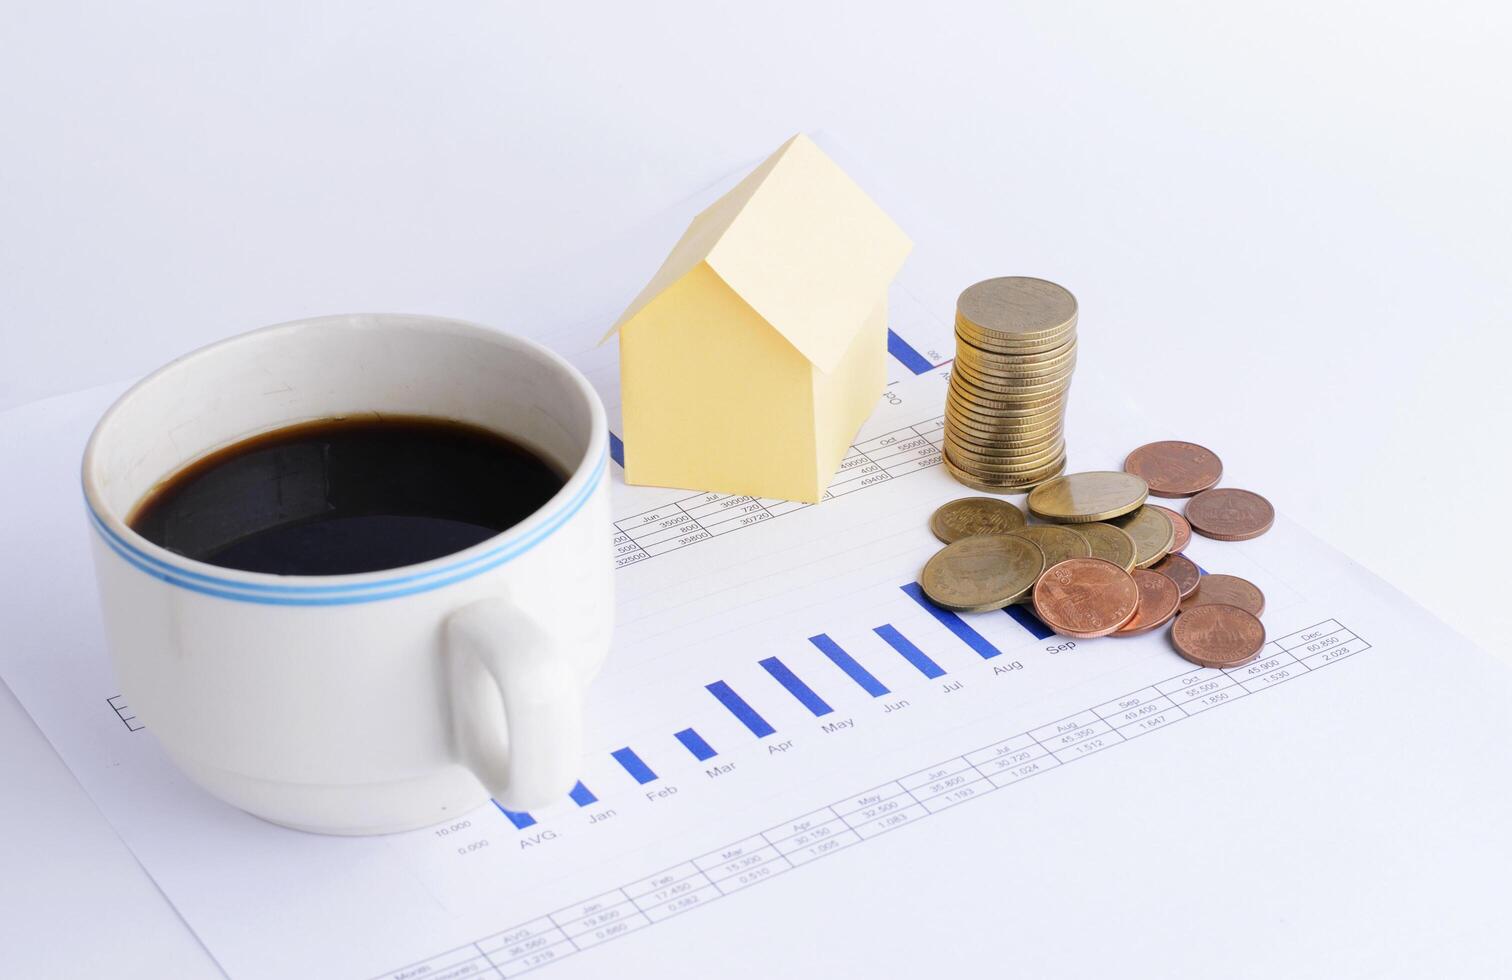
(795, 763)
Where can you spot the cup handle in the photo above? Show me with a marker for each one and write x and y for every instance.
(517, 704)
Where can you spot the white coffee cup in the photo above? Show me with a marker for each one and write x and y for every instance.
(381, 701)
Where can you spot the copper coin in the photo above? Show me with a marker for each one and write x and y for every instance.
(1175, 469)
(1228, 590)
(1228, 514)
(1181, 570)
(1158, 601)
(1085, 597)
(1183, 529)
(1218, 636)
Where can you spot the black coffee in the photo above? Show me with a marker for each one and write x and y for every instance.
(341, 496)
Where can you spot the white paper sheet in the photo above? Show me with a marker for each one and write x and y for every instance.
(1009, 803)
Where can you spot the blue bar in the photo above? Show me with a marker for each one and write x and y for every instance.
(1030, 622)
(520, 820)
(796, 688)
(737, 707)
(693, 742)
(910, 358)
(952, 622)
(911, 653)
(582, 795)
(616, 450)
(847, 663)
(1200, 569)
(633, 765)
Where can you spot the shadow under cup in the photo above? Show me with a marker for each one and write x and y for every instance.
(322, 702)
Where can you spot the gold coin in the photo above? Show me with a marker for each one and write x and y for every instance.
(1009, 427)
(965, 333)
(974, 515)
(983, 433)
(1012, 365)
(1024, 412)
(1017, 307)
(996, 459)
(1038, 409)
(1046, 362)
(1058, 543)
(997, 390)
(963, 325)
(997, 483)
(1078, 498)
(1005, 478)
(1152, 531)
(1008, 388)
(1001, 441)
(1004, 464)
(982, 573)
(1003, 447)
(998, 443)
(1007, 473)
(1001, 385)
(1049, 347)
(1109, 543)
(962, 376)
(1005, 388)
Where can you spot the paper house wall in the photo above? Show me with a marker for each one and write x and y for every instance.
(752, 357)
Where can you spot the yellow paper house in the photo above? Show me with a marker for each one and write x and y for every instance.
(752, 357)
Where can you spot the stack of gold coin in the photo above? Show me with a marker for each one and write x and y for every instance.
(1005, 411)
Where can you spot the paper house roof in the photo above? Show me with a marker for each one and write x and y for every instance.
(800, 243)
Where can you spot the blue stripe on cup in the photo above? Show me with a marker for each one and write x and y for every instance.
(280, 594)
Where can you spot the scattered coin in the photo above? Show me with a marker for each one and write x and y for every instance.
(1058, 543)
(1084, 497)
(1218, 636)
(1228, 514)
(974, 515)
(1085, 597)
(1181, 570)
(1152, 531)
(1227, 590)
(982, 573)
(1109, 561)
(1108, 542)
(1183, 529)
(1175, 469)
(1158, 601)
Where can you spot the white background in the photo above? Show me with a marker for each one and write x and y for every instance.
(1289, 227)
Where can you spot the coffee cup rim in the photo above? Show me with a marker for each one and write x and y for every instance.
(316, 590)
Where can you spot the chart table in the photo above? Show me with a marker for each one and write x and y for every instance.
(702, 516)
(861, 816)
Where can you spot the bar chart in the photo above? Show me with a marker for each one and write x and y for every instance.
(861, 816)
(803, 690)
(804, 684)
